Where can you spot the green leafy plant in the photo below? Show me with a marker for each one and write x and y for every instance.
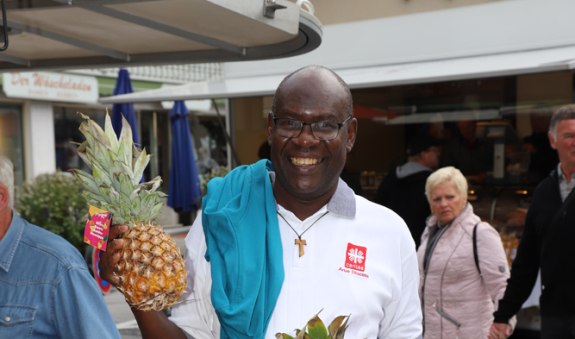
(315, 329)
(214, 172)
(54, 201)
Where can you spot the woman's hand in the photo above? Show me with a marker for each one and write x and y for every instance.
(499, 331)
(110, 258)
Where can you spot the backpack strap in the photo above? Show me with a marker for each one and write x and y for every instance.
(475, 255)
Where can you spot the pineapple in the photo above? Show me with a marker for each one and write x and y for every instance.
(151, 272)
(315, 329)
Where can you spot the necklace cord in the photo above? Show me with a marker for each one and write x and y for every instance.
(310, 226)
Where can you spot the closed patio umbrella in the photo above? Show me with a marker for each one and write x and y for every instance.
(124, 86)
(184, 184)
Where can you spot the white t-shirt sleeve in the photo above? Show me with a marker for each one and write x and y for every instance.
(195, 314)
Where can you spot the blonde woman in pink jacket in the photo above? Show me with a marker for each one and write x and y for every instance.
(458, 289)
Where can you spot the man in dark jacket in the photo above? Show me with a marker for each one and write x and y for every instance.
(403, 189)
(547, 243)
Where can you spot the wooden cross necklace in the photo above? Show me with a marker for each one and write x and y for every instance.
(299, 241)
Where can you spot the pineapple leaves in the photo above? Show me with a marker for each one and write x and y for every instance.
(283, 336)
(155, 184)
(110, 134)
(84, 178)
(117, 167)
(301, 334)
(140, 163)
(315, 329)
(124, 151)
(338, 326)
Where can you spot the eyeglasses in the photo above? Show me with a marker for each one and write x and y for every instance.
(322, 130)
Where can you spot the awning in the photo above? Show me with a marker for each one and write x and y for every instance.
(224, 88)
(63, 34)
(483, 66)
(498, 38)
(487, 114)
(524, 62)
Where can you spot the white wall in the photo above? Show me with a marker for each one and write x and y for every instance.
(39, 140)
(339, 11)
(486, 29)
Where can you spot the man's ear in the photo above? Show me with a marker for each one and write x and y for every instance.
(351, 134)
(270, 128)
(4, 197)
(552, 140)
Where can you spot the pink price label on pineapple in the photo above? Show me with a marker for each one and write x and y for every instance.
(97, 228)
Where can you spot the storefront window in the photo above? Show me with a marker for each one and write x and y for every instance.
(156, 141)
(494, 130)
(209, 142)
(11, 144)
(207, 135)
(66, 133)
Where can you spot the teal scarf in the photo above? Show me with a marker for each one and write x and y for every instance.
(244, 249)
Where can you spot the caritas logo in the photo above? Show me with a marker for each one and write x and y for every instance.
(355, 257)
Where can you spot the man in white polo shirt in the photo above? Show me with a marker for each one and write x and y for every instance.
(277, 242)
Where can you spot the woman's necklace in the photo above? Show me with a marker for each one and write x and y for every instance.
(299, 241)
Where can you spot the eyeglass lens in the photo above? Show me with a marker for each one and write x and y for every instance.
(322, 130)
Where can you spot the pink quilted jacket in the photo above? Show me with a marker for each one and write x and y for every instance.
(457, 302)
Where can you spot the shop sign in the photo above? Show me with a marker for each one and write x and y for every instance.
(50, 86)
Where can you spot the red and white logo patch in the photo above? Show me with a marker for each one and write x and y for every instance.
(355, 257)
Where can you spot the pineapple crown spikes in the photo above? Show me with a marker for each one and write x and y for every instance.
(104, 144)
(106, 138)
(117, 168)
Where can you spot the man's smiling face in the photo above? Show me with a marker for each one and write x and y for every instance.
(308, 168)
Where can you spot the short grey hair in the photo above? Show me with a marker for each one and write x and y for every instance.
(566, 112)
(445, 175)
(7, 178)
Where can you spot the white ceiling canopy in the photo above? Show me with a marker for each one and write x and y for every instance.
(65, 34)
(428, 47)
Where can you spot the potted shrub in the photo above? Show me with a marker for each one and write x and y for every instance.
(54, 202)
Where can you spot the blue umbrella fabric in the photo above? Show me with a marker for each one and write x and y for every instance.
(184, 189)
(124, 86)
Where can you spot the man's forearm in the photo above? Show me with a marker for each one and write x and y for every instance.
(156, 325)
